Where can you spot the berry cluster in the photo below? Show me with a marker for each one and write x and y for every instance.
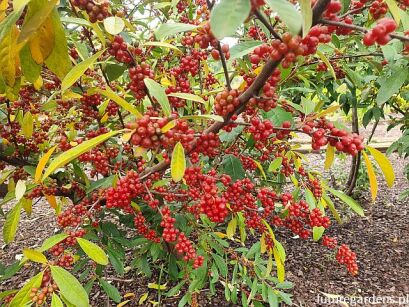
(148, 133)
(137, 74)
(378, 9)
(317, 219)
(97, 11)
(208, 144)
(226, 102)
(288, 49)
(126, 189)
(261, 130)
(119, 49)
(348, 258)
(143, 230)
(329, 242)
(183, 86)
(380, 33)
(226, 52)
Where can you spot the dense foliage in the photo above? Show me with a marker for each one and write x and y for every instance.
(147, 131)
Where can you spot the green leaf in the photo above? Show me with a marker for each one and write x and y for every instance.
(77, 71)
(121, 102)
(93, 251)
(36, 20)
(227, 16)
(34, 255)
(391, 84)
(188, 96)
(216, 118)
(76, 151)
(56, 301)
(317, 233)
(306, 13)
(233, 167)
(30, 68)
(114, 25)
(69, 287)
(58, 61)
(242, 49)
(275, 164)
(23, 296)
(157, 91)
(178, 163)
(278, 116)
(332, 208)
(231, 228)
(349, 201)
(28, 123)
(169, 29)
(394, 9)
(111, 290)
(310, 199)
(288, 14)
(221, 264)
(161, 45)
(51, 241)
(11, 223)
(7, 23)
(20, 189)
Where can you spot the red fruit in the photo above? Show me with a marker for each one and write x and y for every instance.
(215, 54)
(369, 39)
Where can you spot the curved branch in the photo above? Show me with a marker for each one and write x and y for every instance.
(254, 88)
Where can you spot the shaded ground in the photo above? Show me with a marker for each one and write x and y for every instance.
(381, 241)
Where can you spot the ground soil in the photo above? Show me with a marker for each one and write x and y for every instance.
(381, 241)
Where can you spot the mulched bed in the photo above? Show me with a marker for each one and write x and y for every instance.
(381, 241)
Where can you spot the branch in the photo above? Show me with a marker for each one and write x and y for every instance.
(223, 59)
(265, 22)
(360, 29)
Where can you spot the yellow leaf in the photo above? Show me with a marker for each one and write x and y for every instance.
(127, 136)
(34, 255)
(143, 298)
(263, 245)
(325, 60)
(165, 81)
(42, 42)
(220, 235)
(27, 205)
(384, 164)
(188, 96)
(168, 126)
(41, 164)
(163, 45)
(178, 163)
(129, 294)
(258, 70)
(104, 118)
(329, 158)
(260, 167)
(231, 228)
(38, 83)
(28, 123)
(269, 265)
(52, 201)
(121, 102)
(372, 177)
(330, 110)
(280, 265)
(123, 303)
(139, 151)
(152, 285)
(395, 11)
(9, 56)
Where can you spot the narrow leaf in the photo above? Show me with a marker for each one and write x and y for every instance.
(23, 296)
(162, 45)
(56, 301)
(169, 29)
(27, 127)
(51, 241)
(111, 290)
(393, 7)
(373, 183)
(77, 71)
(188, 96)
(76, 151)
(11, 223)
(348, 200)
(306, 13)
(42, 163)
(327, 63)
(121, 102)
(20, 189)
(329, 157)
(384, 164)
